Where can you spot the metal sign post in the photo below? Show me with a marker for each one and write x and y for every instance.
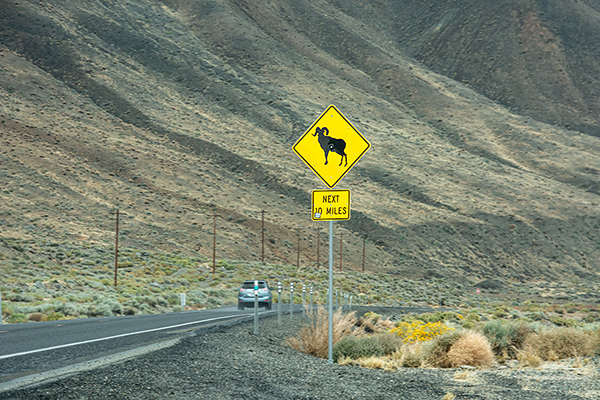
(330, 295)
(256, 307)
(279, 303)
(311, 298)
(330, 136)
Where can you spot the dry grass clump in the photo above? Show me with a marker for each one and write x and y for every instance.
(560, 343)
(37, 317)
(412, 356)
(528, 357)
(313, 338)
(473, 349)
(387, 363)
(375, 323)
(436, 350)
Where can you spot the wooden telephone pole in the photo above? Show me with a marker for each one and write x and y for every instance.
(116, 244)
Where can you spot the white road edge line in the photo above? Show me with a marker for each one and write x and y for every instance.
(114, 337)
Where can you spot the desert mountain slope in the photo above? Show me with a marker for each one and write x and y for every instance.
(177, 110)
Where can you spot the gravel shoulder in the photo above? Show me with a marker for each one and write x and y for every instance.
(230, 362)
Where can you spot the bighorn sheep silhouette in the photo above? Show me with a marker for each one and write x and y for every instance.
(331, 144)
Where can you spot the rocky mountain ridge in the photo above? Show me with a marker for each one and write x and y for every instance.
(484, 159)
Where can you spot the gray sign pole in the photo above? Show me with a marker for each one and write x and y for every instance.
(330, 293)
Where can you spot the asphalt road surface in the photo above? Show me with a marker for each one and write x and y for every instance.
(31, 348)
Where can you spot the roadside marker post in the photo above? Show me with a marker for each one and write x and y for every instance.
(0, 308)
(311, 298)
(256, 307)
(335, 298)
(279, 303)
(332, 133)
(182, 299)
(303, 297)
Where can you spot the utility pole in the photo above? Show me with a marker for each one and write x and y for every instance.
(363, 266)
(298, 259)
(214, 244)
(116, 244)
(318, 242)
(262, 230)
(341, 249)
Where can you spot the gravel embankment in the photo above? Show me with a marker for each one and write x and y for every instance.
(232, 363)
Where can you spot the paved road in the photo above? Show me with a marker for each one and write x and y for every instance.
(41, 346)
(34, 352)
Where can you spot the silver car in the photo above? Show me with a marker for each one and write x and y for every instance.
(246, 295)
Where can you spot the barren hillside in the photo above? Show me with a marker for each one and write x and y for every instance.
(483, 121)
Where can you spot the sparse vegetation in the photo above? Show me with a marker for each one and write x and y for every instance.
(313, 337)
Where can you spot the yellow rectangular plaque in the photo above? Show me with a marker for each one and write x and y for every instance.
(330, 205)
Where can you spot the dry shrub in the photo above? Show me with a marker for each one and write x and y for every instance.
(37, 317)
(375, 324)
(357, 347)
(389, 343)
(528, 358)
(313, 337)
(560, 343)
(595, 335)
(412, 355)
(472, 348)
(436, 350)
(506, 338)
(366, 324)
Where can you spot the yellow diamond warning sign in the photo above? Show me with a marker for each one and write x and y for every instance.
(331, 146)
(330, 205)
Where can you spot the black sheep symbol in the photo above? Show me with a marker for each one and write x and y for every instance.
(331, 144)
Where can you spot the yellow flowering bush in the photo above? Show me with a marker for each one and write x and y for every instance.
(419, 331)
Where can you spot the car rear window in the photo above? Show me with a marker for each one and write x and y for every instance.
(250, 285)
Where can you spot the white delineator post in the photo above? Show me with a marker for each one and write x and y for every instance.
(279, 303)
(303, 297)
(256, 307)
